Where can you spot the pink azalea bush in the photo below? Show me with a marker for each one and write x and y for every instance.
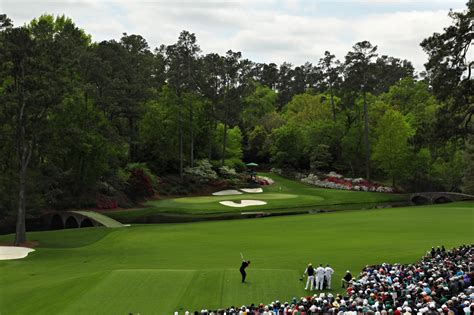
(337, 181)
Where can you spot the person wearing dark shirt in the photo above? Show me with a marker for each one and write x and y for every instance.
(244, 265)
(310, 281)
(347, 278)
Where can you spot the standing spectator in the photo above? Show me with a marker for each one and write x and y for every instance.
(328, 274)
(320, 277)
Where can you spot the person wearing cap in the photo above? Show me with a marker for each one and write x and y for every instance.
(328, 274)
(320, 271)
(346, 279)
(310, 272)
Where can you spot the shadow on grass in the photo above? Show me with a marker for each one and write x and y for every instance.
(64, 238)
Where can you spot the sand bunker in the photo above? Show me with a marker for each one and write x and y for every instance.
(13, 252)
(252, 190)
(227, 192)
(243, 203)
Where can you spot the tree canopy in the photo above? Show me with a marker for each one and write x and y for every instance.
(76, 114)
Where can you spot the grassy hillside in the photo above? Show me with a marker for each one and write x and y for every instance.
(158, 269)
(284, 195)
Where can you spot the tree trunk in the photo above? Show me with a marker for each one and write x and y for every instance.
(24, 160)
(20, 235)
(366, 140)
(211, 140)
(191, 133)
(224, 144)
(226, 116)
(333, 107)
(24, 155)
(132, 143)
(180, 132)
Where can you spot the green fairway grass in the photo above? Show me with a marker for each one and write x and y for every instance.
(159, 269)
(285, 195)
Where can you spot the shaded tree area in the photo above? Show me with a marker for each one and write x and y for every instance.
(86, 124)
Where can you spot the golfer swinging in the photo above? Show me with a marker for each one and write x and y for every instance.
(244, 265)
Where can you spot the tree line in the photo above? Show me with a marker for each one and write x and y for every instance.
(75, 114)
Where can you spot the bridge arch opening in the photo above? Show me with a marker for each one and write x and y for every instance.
(71, 223)
(56, 222)
(86, 223)
(420, 200)
(442, 199)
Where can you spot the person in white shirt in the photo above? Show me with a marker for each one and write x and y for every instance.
(310, 281)
(329, 271)
(320, 277)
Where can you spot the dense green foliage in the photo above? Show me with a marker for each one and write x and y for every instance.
(159, 269)
(75, 113)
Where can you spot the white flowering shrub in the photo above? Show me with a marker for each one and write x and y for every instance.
(202, 171)
(277, 171)
(227, 172)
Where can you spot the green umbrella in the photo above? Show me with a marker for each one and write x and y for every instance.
(251, 164)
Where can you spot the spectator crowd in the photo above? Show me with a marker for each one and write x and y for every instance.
(441, 283)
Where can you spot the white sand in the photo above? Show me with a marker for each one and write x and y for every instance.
(14, 252)
(227, 192)
(252, 190)
(243, 203)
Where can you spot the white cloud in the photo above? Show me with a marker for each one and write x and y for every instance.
(265, 31)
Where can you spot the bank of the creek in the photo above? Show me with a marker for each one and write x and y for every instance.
(183, 218)
(42, 223)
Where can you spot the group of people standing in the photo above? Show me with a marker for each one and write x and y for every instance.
(318, 278)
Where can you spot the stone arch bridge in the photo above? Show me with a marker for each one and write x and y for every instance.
(78, 219)
(438, 197)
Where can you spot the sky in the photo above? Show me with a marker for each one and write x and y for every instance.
(294, 31)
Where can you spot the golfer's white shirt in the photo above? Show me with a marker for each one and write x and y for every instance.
(320, 272)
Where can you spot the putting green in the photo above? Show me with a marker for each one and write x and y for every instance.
(284, 195)
(159, 269)
(265, 197)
